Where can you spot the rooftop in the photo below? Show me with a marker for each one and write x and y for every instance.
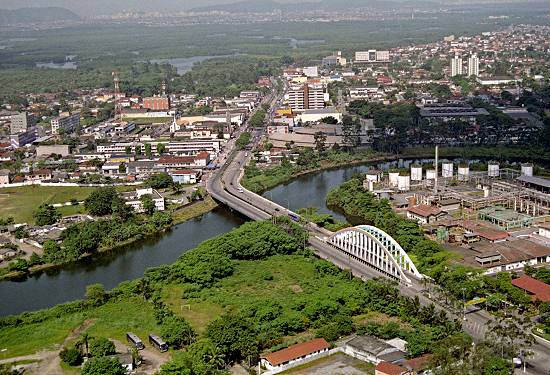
(424, 210)
(296, 351)
(390, 368)
(540, 290)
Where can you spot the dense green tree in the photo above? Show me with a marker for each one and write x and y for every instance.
(177, 332)
(46, 214)
(71, 356)
(96, 293)
(320, 141)
(101, 347)
(100, 201)
(148, 204)
(148, 151)
(159, 181)
(161, 148)
(103, 366)
(234, 336)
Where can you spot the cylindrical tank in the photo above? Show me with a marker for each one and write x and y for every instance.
(430, 174)
(447, 170)
(372, 176)
(527, 169)
(485, 191)
(404, 182)
(371, 185)
(416, 173)
(463, 173)
(394, 177)
(493, 169)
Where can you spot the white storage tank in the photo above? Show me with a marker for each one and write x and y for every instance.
(527, 169)
(447, 170)
(394, 178)
(430, 174)
(463, 172)
(493, 169)
(404, 182)
(373, 176)
(416, 173)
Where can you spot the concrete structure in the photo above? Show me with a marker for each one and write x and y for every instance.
(334, 59)
(294, 353)
(23, 139)
(496, 81)
(456, 66)
(493, 169)
(157, 103)
(134, 199)
(311, 71)
(424, 214)
(307, 96)
(544, 230)
(444, 113)
(371, 56)
(473, 65)
(375, 248)
(315, 115)
(463, 173)
(370, 349)
(21, 122)
(65, 123)
(48, 150)
(186, 176)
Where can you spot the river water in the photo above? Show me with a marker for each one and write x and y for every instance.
(57, 286)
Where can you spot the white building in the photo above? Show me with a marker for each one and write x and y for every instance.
(306, 96)
(473, 65)
(294, 354)
(67, 123)
(456, 66)
(311, 71)
(134, 199)
(372, 55)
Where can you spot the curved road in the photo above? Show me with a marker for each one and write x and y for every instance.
(224, 186)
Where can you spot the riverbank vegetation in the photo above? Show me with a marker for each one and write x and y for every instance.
(457, 281)
(253, 289)
(259, 179)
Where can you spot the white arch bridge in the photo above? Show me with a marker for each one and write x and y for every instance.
(376, 249)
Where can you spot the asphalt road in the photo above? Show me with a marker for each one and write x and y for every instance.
(225, 187)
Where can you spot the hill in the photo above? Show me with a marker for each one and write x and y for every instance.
(33, 15)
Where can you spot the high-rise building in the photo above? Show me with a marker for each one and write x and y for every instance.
(473, 65)
(308, 96)
(67, 123)
(21, 122)
(456, 66)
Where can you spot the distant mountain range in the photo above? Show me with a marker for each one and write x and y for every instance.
(93, 8)
(33, 15)
(263, 6)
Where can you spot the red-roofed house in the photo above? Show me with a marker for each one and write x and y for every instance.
(538, 290)
(387, 368)
(294, 353)
(424, 214)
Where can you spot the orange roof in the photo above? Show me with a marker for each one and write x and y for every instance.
(540, 290)
(388, 368)
(419, 363)
(296, 351)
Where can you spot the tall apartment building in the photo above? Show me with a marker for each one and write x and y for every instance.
(307, 96)
(473, 65)
(372, 55)
(157, 103)
(456, 66)
(21, 122)
(68, 123)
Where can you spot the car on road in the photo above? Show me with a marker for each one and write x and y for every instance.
(241, 190)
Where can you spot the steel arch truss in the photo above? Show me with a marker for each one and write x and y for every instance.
(377, 249)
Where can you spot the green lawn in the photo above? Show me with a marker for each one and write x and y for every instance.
(20, 202)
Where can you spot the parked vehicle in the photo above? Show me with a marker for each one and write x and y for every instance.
(134, 340)
(158, 343)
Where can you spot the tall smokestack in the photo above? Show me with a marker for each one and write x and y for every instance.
(436, 168)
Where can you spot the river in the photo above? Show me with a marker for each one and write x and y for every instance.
(53, 287)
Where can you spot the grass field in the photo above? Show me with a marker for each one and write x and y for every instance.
(20, 202)
(111, 320)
